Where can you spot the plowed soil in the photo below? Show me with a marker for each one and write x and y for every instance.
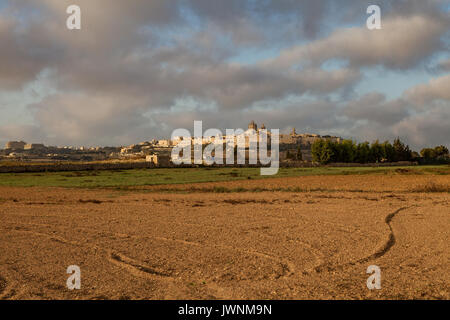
(190, 242)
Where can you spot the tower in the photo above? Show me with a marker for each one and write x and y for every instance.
(252, 125)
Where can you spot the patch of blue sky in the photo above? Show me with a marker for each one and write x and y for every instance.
(251, 56)
(276, 104)
(391, 83)
(177, 32)
(25, 15)
(300, 100)
(334, 64)
(446, 6)
(3, 4)
(434, 67)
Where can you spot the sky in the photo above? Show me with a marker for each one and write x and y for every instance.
(137, 69)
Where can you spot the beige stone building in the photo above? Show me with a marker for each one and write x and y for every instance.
(158, 159)
(16, 145)
(34, 146)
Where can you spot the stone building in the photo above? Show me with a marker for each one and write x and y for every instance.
(253, 126)
(34, 147)
(292, 142)
(15, 145)
(159, 159)
(164, 143)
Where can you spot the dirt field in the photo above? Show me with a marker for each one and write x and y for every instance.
(313, 238)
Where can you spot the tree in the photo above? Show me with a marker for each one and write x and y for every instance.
(327, 152)
(415, 155)
(428, 154)
(441, 151)
(401, 151)
(322, 151)
(362, 152)
(316, 150)
(288, 155)
(299, 154)
(376, 152)
(438, 153)
(388, 151)
(347, 151)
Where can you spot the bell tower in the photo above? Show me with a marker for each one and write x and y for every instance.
(252, 125)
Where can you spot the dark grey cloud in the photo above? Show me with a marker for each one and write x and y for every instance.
(425, 128)
(374, 107)
(23, 55)
(29, 133)
(118, 79)
(311, 116)
(420, 117)
(444, 65)
(78, 119)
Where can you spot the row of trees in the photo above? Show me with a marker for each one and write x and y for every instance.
(435, 154)
(297, 155)
(326, 151)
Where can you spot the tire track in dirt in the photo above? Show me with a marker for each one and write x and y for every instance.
(343, 228)
(391, 240)
(140, 269)
(133, 265)
(319, 255)
(379, 253)
(286, 265)
(137, 268)
(49, 236)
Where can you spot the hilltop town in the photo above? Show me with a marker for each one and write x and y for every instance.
(292, 145)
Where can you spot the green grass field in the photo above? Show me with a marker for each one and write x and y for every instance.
(142, 177)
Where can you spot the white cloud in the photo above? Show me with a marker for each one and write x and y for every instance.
(436, 89)
(403, 42)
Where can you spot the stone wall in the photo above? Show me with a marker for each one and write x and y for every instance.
(55, 167)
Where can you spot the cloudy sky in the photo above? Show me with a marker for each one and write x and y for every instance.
(139, 69)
